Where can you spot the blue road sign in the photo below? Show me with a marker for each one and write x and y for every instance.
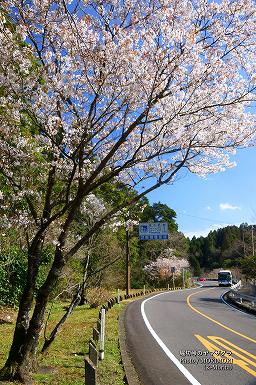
(153, 231)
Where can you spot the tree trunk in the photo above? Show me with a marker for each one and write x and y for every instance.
(83, 299)
(77, 298)
(10, 370)
(74, 303)
(83, 286)
(22, 357)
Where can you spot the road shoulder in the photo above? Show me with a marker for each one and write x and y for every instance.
(132, 377)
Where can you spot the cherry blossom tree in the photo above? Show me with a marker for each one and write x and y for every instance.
(162, 268)
(129, 92)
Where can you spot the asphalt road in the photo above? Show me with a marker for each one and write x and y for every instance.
(191, 337)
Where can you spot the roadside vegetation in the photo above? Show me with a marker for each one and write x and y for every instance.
(101, 103)
(63, 364)
(227, 247)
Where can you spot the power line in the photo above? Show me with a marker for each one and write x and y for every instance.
(205, 219)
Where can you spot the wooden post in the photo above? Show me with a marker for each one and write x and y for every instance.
(90, 372)
(95, 334)
(93, 354)
(98, 325)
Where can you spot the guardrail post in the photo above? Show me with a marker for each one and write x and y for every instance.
(90, 372)
(144, 290)
(95, 334)
(99, 325)
(93, 354)
(102, 335)
(118, 296)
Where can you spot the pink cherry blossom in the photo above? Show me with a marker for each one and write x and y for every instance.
(164, 267)
(130, 92)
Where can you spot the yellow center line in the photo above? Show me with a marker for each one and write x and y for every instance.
(242, 361)
(215, 321)
(234, 349)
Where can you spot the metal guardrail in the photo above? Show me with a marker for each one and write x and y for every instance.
(236, 285)
(240, 297)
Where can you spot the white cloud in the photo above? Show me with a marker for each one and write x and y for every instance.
(228, 206)
(205, 232)
(197, 233)
(208, 208)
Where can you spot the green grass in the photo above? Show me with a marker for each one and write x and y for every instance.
(65, 357)
(110, 370)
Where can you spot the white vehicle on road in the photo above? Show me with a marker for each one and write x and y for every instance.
(225, 278)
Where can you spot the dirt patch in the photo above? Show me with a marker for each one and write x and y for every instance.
(47, 370)
(7, 315)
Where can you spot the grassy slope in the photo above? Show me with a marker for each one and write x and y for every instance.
(65, 358)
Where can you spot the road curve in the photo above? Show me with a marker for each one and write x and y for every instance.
(191, 337)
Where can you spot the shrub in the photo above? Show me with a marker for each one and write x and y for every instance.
(12, 276)
(97, 296)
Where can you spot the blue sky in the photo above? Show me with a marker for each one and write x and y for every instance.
(221, 199)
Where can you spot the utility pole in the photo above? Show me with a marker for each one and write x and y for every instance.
(243, 241)
(128, 262)
(252, 243)
(173, 269)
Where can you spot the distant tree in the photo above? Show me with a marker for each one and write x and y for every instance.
(161, 269)
(248, 265)
(224, 246)
(196, 249)
(227, 263)
(194, 263)
(179, 243)
(151, 250)
(160, 212)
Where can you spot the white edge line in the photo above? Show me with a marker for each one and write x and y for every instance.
(169, 354)
(234, 307)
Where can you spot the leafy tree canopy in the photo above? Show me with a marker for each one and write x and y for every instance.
(248, 265)
(160, 212)
(224, 247)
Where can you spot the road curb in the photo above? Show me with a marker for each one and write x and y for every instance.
(130, 372)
